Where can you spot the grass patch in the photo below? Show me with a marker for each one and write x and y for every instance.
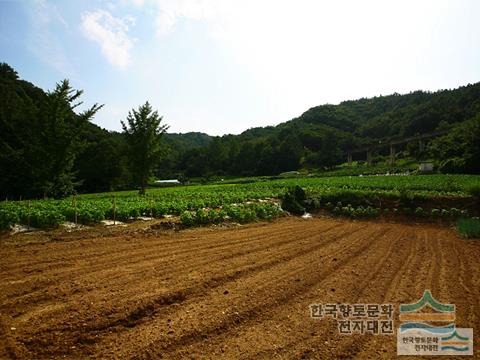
(469, 227)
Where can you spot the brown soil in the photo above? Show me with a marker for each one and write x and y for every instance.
(237, 292)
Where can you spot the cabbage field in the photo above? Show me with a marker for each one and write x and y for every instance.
(253, 199)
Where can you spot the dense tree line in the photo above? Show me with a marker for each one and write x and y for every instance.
(49, 149)
(321, 136)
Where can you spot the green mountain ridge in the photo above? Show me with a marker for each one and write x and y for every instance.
(321, 135)
(317, 139)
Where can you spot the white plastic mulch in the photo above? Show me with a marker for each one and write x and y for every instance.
(113, 223)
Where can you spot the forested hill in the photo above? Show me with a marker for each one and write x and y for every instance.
(397, 115)
(320, 136)
(384, 117)
(316, 139)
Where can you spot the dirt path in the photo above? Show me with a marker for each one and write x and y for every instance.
(223, 293)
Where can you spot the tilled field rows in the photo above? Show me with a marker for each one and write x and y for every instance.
(233, 293)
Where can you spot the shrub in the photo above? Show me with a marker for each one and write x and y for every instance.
(299, 194)
(469, 227)
(294, 200)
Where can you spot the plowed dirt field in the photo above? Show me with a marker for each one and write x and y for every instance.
(241, 292)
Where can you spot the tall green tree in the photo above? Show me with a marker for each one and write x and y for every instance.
(39, 137)
(59, 139)
(143, 131)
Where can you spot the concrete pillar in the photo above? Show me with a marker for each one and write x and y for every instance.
(392, 154)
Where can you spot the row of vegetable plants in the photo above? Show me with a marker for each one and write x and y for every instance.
(366, 195)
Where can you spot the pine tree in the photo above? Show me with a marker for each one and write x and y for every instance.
(59, 140)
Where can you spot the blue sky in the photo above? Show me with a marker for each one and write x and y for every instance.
(223, 66)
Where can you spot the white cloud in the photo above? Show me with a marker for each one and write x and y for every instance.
(301, 53)
(305, 52)
(138, 2)
(111, 34)
(170, 11)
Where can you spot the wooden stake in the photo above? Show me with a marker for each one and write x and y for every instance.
(75, 207)
(114, 210)
(28, 217)
(151, 207)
